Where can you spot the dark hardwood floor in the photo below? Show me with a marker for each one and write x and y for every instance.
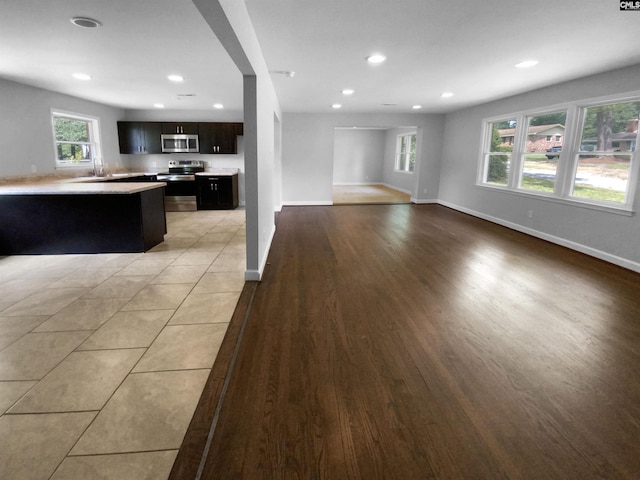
(416, 342)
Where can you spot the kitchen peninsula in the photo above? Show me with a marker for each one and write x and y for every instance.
(57, 218)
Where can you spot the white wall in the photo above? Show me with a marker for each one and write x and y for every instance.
(307, 153)
(358, 156)
(26, 135)
(611, 236)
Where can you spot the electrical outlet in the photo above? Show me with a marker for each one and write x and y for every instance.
(530, 214)
(424, 191)
(34, 169)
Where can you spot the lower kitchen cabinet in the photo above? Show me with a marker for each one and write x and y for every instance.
(58, 223)
(217, 192)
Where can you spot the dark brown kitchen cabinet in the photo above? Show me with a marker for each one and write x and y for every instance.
(132, 179)
(139, 137)
(180, 127)
(217, 192)
(219, 138)
(61, 223)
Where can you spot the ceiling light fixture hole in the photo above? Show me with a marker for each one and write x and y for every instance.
(85, 22)
(376, 58)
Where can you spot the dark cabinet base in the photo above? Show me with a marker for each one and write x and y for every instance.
(217, 192)
(82, 223)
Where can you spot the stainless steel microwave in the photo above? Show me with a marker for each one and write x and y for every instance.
(179, 143)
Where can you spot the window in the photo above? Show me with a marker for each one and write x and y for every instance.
(75, 138)
(539, 162)
(583, 153)
(497, 151)
(406, 153)
(605, 154)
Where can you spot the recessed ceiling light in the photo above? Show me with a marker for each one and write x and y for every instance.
(218, 106)
(417, 107)
(348, 91)
(446, 94)
(85, 22)
(176, 78)
(336, 106)
(527, 64)
(81, 76)
(376, 58)
(158, 105)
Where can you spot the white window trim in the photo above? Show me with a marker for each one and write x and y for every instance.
(95, 131)
(568, 159)
(397, 152)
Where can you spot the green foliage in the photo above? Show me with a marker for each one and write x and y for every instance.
(584, 191)
(498, 169)
(598, 193)
(71, 130)
(549, 119)
(71, 137)
(535, 183)
(412, 153)
(620, 113)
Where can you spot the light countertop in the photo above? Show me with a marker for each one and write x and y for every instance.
(219, 172)
(101, 188)
(106, 178)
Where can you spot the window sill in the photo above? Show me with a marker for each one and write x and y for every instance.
(81, 166)
(403, 171)
(618, 210)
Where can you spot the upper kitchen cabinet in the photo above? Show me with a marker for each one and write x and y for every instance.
(139, 137)
(219, 138)
(180, 127)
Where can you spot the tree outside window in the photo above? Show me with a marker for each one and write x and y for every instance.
(607, 143)
(593, 163)
(499, 154)
(75, 139)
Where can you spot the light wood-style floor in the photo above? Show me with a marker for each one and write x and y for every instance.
(103, 357)
(416, 342)
(368, 194)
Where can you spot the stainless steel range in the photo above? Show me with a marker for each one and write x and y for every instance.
(180, 193)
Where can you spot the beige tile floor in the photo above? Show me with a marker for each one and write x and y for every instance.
(104, 357)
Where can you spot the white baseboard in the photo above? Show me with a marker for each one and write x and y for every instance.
(256, 275)
(593, 252)
(306, 204)
(252, 276)
(421, 201)
(357, 184)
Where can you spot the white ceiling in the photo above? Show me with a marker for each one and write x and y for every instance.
(129, 57)
(468, 47)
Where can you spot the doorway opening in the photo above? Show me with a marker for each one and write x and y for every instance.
(365, 166)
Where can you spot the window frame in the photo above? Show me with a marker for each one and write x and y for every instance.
(486, 153)
(567, 160)
(94, 134)
(398, 152)
(519, 164)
